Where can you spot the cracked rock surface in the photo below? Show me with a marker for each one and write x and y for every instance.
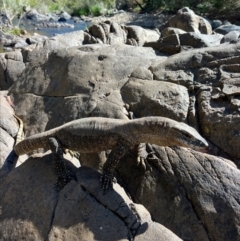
(79, 212)
(193, 194)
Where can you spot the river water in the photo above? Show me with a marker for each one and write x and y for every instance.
(49, 32)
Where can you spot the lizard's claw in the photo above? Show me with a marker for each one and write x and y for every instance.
(141, 161)
(107, 181)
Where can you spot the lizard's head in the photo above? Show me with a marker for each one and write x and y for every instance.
(186, 136)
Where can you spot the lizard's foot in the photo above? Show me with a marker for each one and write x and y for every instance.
(63, 180)
(107, 181)
(143, 161)
(145, 154)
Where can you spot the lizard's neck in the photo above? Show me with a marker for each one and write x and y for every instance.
(148, 130)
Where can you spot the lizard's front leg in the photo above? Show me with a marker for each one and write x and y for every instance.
(109, 166)
(64, 176)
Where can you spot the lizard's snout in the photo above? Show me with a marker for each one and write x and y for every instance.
(203, 147)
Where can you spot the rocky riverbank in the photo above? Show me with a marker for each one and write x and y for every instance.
(187, 70)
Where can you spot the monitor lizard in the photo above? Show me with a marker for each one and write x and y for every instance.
(95, 134)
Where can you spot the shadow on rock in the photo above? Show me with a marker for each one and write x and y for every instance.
(32, 209)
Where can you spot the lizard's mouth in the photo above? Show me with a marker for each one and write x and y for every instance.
(201, 146)
(202, 149)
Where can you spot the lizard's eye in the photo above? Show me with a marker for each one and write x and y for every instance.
(187, 135)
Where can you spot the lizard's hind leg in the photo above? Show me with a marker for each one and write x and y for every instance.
(64, 176)
(107, 178)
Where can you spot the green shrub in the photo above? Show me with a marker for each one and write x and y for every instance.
(83, 11)
(14, 31)
(95, 10)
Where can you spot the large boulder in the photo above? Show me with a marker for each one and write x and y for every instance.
(220, 122)
(34, 15)
(140, 36)
(81, 81)
(11, 67)
(227, 28)
(110, 32)
(79, 212)
(174, 43)
(44, 46)
(8, 127)
(231, 36)
(210, 67)
(147, 98)
(188, 21)
(193, 194)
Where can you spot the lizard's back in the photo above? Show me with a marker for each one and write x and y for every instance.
(84, 135)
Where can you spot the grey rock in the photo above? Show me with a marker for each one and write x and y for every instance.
(218, 126)
(176, 43)
(224, 29)
(231, 36)
(171, 31)
(156, 98)
(88, 83)
(8, 128)
(216, 23)
(64, 15)
(42, 199)
(197, 40)
(189, 61)
(34, 51)
(188, 21)
(213, 67)
(168, 45)
(142, 73)
(34, 15)
(11, 67)
(80, 211)
(201, 190)
(141, 35)
(36, 38)
(110, 32)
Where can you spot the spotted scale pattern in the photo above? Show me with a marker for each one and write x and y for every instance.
(109, 166)
(64, 176)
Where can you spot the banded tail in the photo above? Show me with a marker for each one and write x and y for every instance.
(31, 143)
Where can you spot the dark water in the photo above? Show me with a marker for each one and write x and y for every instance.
(49, 32)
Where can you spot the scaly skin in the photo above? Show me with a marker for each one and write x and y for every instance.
(89, 135)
